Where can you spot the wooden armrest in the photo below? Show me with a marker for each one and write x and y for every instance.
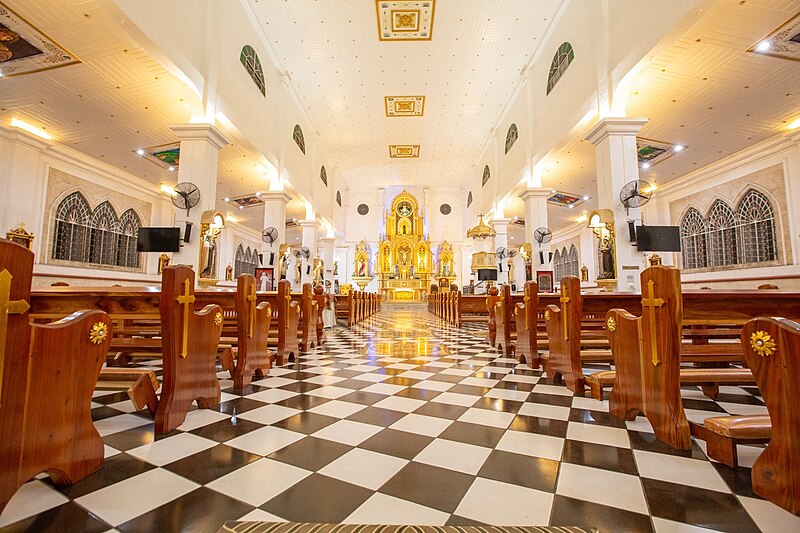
(740, 426)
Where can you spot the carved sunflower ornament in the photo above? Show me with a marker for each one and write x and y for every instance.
(547, 315)
(218, 319)
(611, 324)
(98, 333)
(762, 343)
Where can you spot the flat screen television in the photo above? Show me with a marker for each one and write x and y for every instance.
(487, 274)
(158, 240)
(658, 238)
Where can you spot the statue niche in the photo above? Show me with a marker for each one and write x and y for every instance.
(405, 266)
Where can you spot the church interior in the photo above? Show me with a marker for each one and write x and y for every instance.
(313, 265)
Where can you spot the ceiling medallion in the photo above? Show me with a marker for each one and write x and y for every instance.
(784, 42)
(403, 151)
(405, 20)
(564, 199)
(651, 152)
(248, 200)
(404, 106)
(166, 156)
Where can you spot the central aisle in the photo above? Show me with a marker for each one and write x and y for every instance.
(401, 419)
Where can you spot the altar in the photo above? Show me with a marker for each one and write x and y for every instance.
(404, 265)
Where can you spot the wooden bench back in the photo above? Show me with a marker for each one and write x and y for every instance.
(771, 348)
(563, 336)
(525, 313)
(46, 383)
(252, 326)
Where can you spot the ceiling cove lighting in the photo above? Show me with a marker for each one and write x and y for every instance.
(166, 189)
(21, 124)
(763, 46)
(678, 148)
(794, 124)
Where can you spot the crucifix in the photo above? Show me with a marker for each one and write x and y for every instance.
(252, 299)
(186, 300)
(652, 302)
(564, 301)
(7, 307)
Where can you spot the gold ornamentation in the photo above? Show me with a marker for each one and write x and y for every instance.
(186, 300)
(547, 315)
(653, 302)
(7, 307)
(611, 324)
(218, 319)
(98, 333)
(564, 301)
(762, 343)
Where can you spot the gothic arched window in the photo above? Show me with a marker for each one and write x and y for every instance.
(721, 235)
(129, 224)
(486, 175)
(557, 270)
(238, 261)
(756, 217)
(103, 234)
(693, 240)
(572, 262)
(252, 65)
(323, 175)
(511, 136)
(469, 199)
(297, 135)
(561, 60)
(72, 228)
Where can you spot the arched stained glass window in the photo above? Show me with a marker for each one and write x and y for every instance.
(72, 228)
(561, 60)
(756, 217)
(558, 272)
(339, 198)
(129, 224)
(103, 234)
(297, 135)
(573, 269)
(238, 261)
(252, 65)
(486, 175)
(511, 137)
(693, 240)
(323, 175)
(721, 235)
(469, 199)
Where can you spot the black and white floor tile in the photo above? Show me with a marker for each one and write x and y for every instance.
(402, 419)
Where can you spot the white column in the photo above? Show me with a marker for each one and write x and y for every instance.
(309, 240)
(22, 183)
(500, 226)
(200, 146)
(617, 163)
(535, 199)
(327, 245)
(274, 217)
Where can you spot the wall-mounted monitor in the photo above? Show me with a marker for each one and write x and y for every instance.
(487, 274)
(658, 238)
(158, 240)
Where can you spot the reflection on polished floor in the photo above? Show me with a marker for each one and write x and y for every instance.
(402, 419)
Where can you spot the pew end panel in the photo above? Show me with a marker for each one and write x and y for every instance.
(189, 344)
(563, 337)
(772, 350)
(624, 336)
(252, 327)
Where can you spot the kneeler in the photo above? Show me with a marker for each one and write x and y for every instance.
(252, 326)
(189, 345)
(772, 351)
(647, 358)
(525, 314)
(47, 376)
(563, 337)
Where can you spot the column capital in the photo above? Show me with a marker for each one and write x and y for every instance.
(283, 196)
(535, 192)
(311, 223)
(615, 126)
(327, 240)
(500, 224)
(200, 131)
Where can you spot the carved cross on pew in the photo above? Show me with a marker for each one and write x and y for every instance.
(564, 301)
(7, 307)
(186, 300)
(526, 299)
(653, 303)
(252, 299)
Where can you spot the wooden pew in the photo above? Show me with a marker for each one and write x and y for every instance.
(189, 345)
(47, 376)
(526, 349)
(505, 325)
(323, 301)
(309, 313)
(252, 321)
(648, 354)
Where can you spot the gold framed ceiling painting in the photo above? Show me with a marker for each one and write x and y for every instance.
(405, 20)
(25, 49)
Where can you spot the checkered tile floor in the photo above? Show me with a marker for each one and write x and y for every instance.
(402, 419)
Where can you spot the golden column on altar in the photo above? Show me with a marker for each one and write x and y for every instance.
(445, 268)
(405, 263)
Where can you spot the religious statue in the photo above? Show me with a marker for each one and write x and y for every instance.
(229, 273)
(211, 225)
(163, 261)
(606, 259)
(208, 266)
(362, 268)
(584, 273)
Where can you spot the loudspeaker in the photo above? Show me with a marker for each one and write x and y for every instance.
(632, 231)
(308, 270)
(261, 259)
(271, 259)
(187, 232)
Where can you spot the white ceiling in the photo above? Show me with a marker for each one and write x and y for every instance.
(342, 72)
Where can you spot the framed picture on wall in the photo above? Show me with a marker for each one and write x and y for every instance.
(265, 279)
(544, 278)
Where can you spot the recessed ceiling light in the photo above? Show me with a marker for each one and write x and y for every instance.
(763, 46)
(571, 206)
(678, 147)
(586, 197)
(227, 199)
(171, 168)
(241, 207)
(645, 165)
(140, 151)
